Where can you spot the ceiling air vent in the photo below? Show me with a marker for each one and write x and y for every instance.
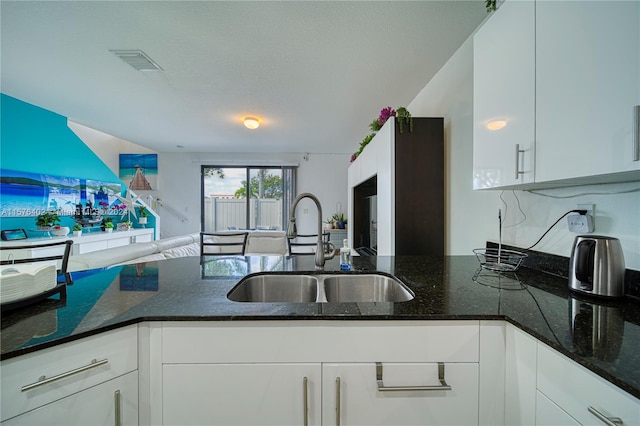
(137, 59)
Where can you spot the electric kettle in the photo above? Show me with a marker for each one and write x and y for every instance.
(597, 266)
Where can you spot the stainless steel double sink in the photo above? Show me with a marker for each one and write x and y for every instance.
(320, 288)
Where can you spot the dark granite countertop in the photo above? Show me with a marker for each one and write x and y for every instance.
(603, 336)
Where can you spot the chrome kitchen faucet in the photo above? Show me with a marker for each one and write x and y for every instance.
(292, 232)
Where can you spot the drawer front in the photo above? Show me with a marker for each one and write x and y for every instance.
(320, 341)
(69, 367)
(576, 390)
(119, 242)
(91, 246)
(96, 406)
(144, 238)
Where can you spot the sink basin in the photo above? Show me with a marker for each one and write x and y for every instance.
(320, 288)
(365, 288)
(275, 288)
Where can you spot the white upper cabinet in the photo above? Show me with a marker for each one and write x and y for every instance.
(565, 76)
(587, 83)
(504, 90)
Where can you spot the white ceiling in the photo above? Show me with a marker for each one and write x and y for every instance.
(315, 72)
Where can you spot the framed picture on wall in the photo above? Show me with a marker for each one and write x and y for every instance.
(139, 171)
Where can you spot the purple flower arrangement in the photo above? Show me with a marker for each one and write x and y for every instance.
(385, 114)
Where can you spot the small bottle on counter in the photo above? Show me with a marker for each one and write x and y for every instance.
(345, 256)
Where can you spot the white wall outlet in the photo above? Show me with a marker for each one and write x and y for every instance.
(580, 223)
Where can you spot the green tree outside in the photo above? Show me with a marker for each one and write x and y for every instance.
(271, 186)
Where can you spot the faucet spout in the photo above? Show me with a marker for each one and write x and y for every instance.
(321, 255)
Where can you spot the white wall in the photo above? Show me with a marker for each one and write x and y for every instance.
(178, 192)
(472, 215)
(324, 175)
(469, 215)
(105, 146)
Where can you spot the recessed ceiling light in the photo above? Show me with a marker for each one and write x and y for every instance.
(251, 123)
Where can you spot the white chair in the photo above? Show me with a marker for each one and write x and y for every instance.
(222, 243)
(267, 243)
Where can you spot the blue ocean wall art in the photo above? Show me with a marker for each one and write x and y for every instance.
(56, 167)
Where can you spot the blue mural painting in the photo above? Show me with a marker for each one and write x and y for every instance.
(25, 194)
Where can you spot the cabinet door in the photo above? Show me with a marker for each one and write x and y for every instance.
(504, 90)
(350, 391)
(549, 414)
(587, 82)
(241, 394)
(96, 406)
(583, 395)
(520, 377)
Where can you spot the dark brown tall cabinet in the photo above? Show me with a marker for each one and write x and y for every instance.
(396, 191)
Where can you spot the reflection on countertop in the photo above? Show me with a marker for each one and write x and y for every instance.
(601, 335)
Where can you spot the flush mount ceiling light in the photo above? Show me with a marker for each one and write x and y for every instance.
(251, 123)
(496, 124)
(137, 59)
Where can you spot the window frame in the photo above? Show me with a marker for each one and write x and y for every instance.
(288, 177)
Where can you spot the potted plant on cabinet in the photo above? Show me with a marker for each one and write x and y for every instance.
(340, 220)
(47, 220)
(104, 223)
(144, 213)
(108, 226)
(77, 230)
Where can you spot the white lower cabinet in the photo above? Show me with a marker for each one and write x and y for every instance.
(549, 414)
(274, 373)
(587, 398)
(544, 387)
(411, 394)
(241, 394)
(520, 377)
(315, 394)
(111, 403)
(73, 383)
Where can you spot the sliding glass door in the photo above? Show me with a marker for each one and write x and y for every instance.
(246, 197)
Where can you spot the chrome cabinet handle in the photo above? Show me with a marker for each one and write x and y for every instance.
(116, 403)
(337, 401)
(609, 421)
(518, 152)
(305, 402)
(44, 381)
(635, 135)
(443, 386)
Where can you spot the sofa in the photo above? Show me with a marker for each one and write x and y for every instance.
(259, 243)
